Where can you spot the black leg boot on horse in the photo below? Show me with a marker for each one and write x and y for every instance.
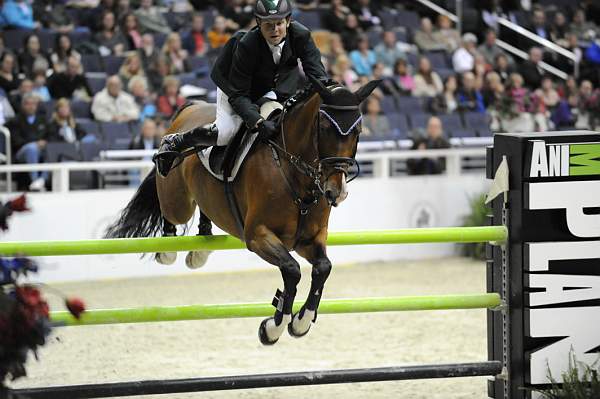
(173, 147)
(197, 259)
(167, 258)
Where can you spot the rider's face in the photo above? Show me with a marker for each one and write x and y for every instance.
(274, 31)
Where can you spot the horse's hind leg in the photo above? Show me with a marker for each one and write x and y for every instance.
(196, 259)
(167, 258)
(265, 244)
(321, 267)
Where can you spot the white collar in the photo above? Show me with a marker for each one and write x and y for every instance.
(280, 45)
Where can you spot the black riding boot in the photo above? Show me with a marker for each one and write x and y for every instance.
(170, 154)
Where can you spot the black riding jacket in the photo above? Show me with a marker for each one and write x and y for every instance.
(245, 70)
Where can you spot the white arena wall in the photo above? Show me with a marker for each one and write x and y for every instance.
(377, 203)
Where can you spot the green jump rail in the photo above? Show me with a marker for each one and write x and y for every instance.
(241, 310)
(222, 242)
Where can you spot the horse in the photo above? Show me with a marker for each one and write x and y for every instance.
(285, 191)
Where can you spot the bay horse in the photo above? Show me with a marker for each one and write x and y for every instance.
(285, 191)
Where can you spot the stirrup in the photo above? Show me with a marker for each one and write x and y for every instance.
(165, 161)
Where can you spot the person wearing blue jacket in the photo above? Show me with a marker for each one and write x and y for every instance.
(18, 14)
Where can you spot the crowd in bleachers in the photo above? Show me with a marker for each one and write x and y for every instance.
(88, 73)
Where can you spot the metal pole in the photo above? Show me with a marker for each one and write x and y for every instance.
(459, 15)
(222, 242)
(155, 387)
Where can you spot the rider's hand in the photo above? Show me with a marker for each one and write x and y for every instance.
(266, 130)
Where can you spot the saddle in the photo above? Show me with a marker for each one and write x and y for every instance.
(224, 162)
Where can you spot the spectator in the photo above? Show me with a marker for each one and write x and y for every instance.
(351, 33)
(559, 29)
(450, 36)
(530, 70)
(131, 67)
(463, 59)
(489, 49)
(403, 78)
(446, 103)
(8, 75)
(548, 93)
(539, 26)
(218, 35)
(148, 139)
(583, 29)
(110, 40)
(18, 14)
(489, 90)
(27, 139)
(387, 86)
(239, 15)
(367, 14)
(122, 10)
(469, 98)
(6, 110)
(334, 19)
(427, 82)
(176, 55)
(569, 88)
(131, 31)
(96, 14)
(434, 140)
(374, 122)
(32, 57)
(342, 71)
(62, 127)
(57, 18)
(170, 100)
(520, 111)
(160, 70)
(480, 69)
(114, 105)
(39, 86)
(25, 88)
(336, 48)
(588, 106)
(388, 51)
(63, 49)
(363, 58)
(502, 67)
(138, 88)
(148, 53)
(195, 41)
(151, 19)
(426, 39)
(70, 83)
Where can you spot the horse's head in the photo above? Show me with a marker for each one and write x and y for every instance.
(338, 128)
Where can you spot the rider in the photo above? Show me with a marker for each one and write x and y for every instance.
(253, 67)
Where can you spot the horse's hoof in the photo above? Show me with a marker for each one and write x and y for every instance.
(298, 328)
(166, 258)
(262, 333)
(196, 259)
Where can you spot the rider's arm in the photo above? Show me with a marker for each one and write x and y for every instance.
(240, 77)
(310, 56)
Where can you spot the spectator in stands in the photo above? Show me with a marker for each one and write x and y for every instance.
(581, 27)
(588, 106)
(403, 78)
(367, 14)
(363, 58)
(175, 54)
(480, 69)
(148, 53)
(530, 70)
(39, 85)
(132, 32)
(374, 122)
(239, 15)
(351, 33)
(489, 49)
(6, 110)
(336, 48)
(57, 18)
(538, 25)
(114, 105)
(159, 71)
(569, 88)
(548, 93)
(489, 90)
(95, 15)
(170, 100)
(70, 83)
(122, 9)
(427, 82)
(389, 51)
(8, 73)
(342, 71)
(151, 19)
(449, 35)
(445, 103)
(25, 88)
(218, 35)
(469, 98)
(63, 49)
(110, 40)
(521, 111)
(387, 87)
(62, 126)
(18, 14)
(502, 67)
(559, 29)
(463, 59)
(148, 139)
(131, 67)
(434, 140)
(138, 88)
(334, 19)
(27, 133)
(194, 42)
(32, 57)
(426, 39)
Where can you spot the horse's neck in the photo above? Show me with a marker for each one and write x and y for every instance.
(300, 129)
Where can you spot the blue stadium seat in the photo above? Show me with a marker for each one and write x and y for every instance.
(46, 108)
(199, 65)
(90, 127)
(374, 37)
(117, 136)
(90, 151)
(460, 133)
(80, 36)
(187, 79)
(401, 36)
(209, 17)
(451, 122)
(310, 19)
(479, 122)
(412, 59)
(410, 105)
(438, 59)
(407, 19)
(92, 63)
(112, 63)
(445, 72)
(388, 18)
(419, 121)
(13, 39)
(62, 152)
(177, 20)
(81, 109)
(47, 39)
(207, 83)
(96, 83)
(399, 125)
(388, 104)
(159, 39)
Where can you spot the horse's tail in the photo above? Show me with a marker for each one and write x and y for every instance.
(141, 217)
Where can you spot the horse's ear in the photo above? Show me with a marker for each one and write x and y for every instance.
(364, 92)
(319, 86)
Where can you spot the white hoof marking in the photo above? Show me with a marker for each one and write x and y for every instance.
(301, 325)
(196, 259)
(274, 331)
(166, 258)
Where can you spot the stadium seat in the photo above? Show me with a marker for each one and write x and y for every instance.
(159, 39)
(90, 127)
(199, 65)
(410, 105)
(461, 132)
(178, 20)
(388, 104)
(46, 108)
(310, 19)
(388, 18)
(478, 121)
(408, 19)
(90, 151)
(112, 63)
(80, 36)
(117, 136)
(399, 125)
(81, 109)
(62, 152)
(187, 79)
(374, 37)
(47, 39)
(419, 120)
(438, 59)
(207, 83)
(451, 122)
(13, 39)
(92, 63)
(401, 36)
(96, 83)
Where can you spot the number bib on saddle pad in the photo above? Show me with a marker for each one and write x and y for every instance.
(230, 158)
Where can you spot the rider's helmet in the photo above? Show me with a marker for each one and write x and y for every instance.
(272, 9)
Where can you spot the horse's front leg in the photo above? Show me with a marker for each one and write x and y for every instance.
(315, 253)
(268, 246)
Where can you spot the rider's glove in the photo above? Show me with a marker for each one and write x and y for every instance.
(266, 130)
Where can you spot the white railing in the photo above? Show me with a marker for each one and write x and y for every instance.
(381, 165)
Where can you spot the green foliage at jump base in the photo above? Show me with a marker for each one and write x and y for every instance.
(580, 381)
(478, 216)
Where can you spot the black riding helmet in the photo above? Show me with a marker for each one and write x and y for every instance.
(272, 9)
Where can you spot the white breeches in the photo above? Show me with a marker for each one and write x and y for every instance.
(228, 122)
